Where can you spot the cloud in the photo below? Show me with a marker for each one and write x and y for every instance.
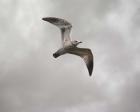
(32, 80)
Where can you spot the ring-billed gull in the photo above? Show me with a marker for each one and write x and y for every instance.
(69, 46)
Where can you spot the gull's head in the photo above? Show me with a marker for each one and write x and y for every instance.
(75, 42)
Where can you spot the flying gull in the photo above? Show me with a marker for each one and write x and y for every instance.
(69, 46)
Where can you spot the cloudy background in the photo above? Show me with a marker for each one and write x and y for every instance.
(31, 80)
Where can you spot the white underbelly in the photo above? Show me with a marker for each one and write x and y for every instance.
(67, 44)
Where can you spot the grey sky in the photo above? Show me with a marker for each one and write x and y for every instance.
(31, 80)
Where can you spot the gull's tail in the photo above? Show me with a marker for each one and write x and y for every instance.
(55, 55)
(59, 53)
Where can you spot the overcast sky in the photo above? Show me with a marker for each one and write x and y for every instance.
(31, 80)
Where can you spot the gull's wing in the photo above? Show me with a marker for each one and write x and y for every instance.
(64, 26)
(86, 54)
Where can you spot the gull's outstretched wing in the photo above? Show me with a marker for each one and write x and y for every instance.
(64, 26)
(86, 54)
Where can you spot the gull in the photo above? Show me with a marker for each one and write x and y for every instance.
(69, 46)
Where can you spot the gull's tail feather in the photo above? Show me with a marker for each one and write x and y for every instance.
(59, 53)
(55, 55)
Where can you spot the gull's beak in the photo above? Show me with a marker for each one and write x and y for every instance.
(80, 42)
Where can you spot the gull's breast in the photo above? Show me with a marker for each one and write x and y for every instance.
(67, 44)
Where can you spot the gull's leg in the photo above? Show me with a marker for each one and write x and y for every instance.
(59, 53)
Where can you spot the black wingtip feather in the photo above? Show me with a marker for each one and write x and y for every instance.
(90, 68)
(51, 19)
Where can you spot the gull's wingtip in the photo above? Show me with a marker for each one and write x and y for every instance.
(52, 20)
(90, 73)
(90, 68)
(45, 18)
